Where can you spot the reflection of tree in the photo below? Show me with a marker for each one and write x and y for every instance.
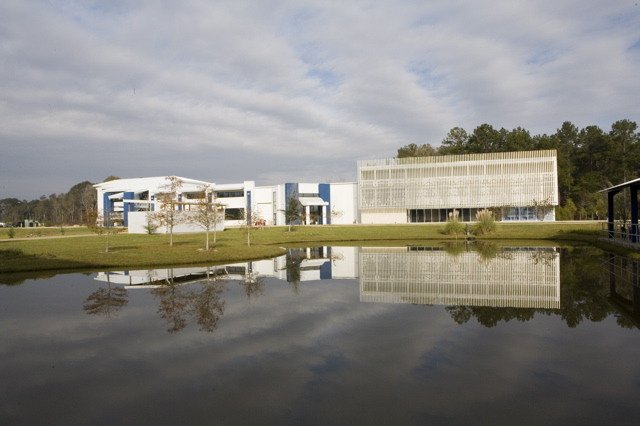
(252, 284)
(489, 250)
(488, 316)
(208, 306)
(455, 249)
(106, 301)
(173, 303)
(293, 261)
(545, 257)
(583, 294)
(336, 257)
(201, 303)
(624, 322)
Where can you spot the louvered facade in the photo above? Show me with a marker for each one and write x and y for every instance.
(517, 277)
(428, 189)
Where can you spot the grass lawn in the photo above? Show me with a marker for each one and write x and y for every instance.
(44, 232)
(73, 251)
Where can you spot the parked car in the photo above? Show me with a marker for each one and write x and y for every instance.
(28, 223)
(3, 225)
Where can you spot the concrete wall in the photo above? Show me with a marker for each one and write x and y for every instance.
(138, 221)
(307, 188)
(263, 199)
(344, 203)
(388, 216)
(344, 261)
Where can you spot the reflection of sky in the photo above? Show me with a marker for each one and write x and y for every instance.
(316, 357)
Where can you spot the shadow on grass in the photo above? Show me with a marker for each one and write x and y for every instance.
(16, 263)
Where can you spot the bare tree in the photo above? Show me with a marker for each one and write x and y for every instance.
(336, 214)
(102, 224)
(208, 214)
(541, 207)
(169, 215)
(249, 220)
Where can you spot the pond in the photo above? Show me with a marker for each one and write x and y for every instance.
(330, 335)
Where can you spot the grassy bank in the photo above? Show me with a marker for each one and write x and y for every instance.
(53, 231)
(140, 251)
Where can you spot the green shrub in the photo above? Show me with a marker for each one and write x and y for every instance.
(454, 227)
(11, 232)
(455, 249)
(151, 225)
(566, 212)
(485, 223)
(487, 250)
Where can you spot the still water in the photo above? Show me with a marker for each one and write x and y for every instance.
(330, 335)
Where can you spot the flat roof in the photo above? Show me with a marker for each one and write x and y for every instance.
(621, 186)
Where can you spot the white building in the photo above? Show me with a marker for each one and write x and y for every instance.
(128, 202)
(430, 189)
(323, 203)
(516, 185)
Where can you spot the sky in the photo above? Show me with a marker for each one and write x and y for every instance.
(280, 91)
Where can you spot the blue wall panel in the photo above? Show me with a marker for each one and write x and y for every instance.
(107, 207)
(325, 271)
(290, 191)
(324, 190)
(248, 208)
(127, 207)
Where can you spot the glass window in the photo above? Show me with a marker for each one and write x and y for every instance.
(229, 194)
(234, 214)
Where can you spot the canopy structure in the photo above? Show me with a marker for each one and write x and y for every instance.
(634, 186)
(312, 201)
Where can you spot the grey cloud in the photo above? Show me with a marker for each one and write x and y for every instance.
(308, 85)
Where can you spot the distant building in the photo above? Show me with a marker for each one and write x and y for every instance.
(126, 202)
(518, 185)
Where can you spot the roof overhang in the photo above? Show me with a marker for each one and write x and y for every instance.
(312, 201)
(620, 187)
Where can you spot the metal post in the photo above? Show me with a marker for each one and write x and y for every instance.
(635, 288)
(610, 213)
(612, 274)
(633, 232)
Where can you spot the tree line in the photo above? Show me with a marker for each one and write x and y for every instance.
(75, 207)
(589, 159)
(69, 208)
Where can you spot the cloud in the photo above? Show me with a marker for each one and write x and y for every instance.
(316, 86)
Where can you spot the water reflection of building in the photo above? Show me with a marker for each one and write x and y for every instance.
(299, 264)
(515, 277)
(512, 277)
(624, 286)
